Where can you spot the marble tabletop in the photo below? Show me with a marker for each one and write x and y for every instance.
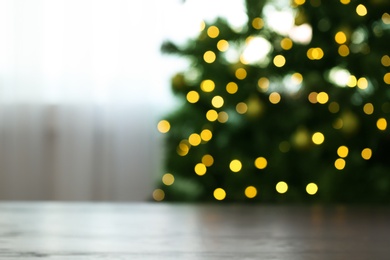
(85, 231)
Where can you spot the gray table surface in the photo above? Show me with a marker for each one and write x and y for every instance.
(181, 231)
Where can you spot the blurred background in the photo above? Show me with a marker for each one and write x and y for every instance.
(82, 85)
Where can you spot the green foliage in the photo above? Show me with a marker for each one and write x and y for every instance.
(312, 100)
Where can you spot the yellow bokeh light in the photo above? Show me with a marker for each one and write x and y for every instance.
(263, 83)
(231, 88)
(163, 126)
(207, 160)
(241, 73)
(274, 97)
(250, 192)
(200, 169)
(299, 2)
(223, 45)
(193, 96)
(342, 151)
(219, 194)
(168, 179)
(241, 108)
(209, 56)
(318, 138)
(279, 60)
(257, 23)
(366, 153)
(194, 139)
(235, 165)
(213, 31)
(312, 97)
(183, 148)
(334, 107)
(297, 78)
(361, 10)
(343, 50)
(206, 135)
(207, 85)
(338, 123)
(217, 101)
(202, 26)
(386, 78)
(352, 81)
(385, 60)
(311, 188)
(158, 194)
(223, 117)
(339, 164)
(340, 37)
(345, 2)
(386, 18)
(362, 83)
(368, 109)
(261, 163)
(381, 124)
(315, 53)
(286, 43)
(281, 187)
(322, 97)
(212, 115)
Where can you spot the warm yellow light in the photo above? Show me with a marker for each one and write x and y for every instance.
(163, 126)
(352, 81)
(368, 109)
(207, 160)
(318, 138)
(200, 169)
(217, 101)
(311, 188)
(340, 37)
(212, 115)
(366, 153)
(213, 31)
(381, 124)
(343, 50)
(207, 85)
(279, 60)
(158, 194)
(241, 73)
(386, 18)
(223, 45)
(202, 26)
(385, 60)
(322, 97)
(257, 23)
(361, 10)
(209, 56)
(194, 139)
(315, 53)
(183, 148)
(386, 78)
(193, 96)
(342, 151)
(299, 2)
(281, 187)
(286, 43)
(223, 117)
(263, 83)
(250, 192)
(168, 179)
(312, 97)
(241, 108)
(206, 135)
(334, 107)
(219, 194)
(231, 88)
(274, 97)
(235, 165)
(345, 2)
(362, 83)
(297, 78)
(339, 164)
(261, 163)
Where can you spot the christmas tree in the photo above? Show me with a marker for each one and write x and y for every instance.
(283, 116)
